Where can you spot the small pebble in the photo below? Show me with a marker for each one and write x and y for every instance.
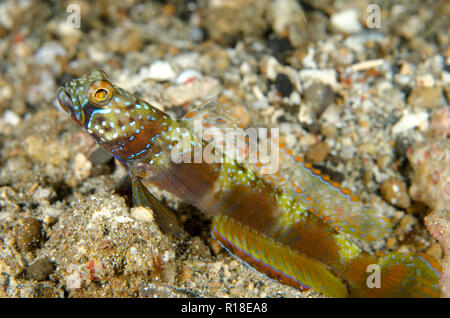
(325, 76)
(318, 96)
(215, 246)
(100, 156)
(411, 27)
(426, 80)
(40, 269)
(44, 193)
(142, 214)
(317, 153)
(406, 224)
(11, 118)
(187, 76)
(82, 166)
(158, 71)
(328, 130)
(346, 21)
(428, 97)
(283, 85)
(201, 89)
(435, 251)
(169, 273)
(28, 234)
(132, 42)
(268, 66)
(394, 192)
(196, 34)
(284, 14)
(410, 121)
(383, 161)
(288, 21)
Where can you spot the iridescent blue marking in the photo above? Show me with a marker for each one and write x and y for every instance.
(99, 111)
(154, 137)
(429, 266)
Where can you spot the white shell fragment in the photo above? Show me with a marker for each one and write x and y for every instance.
(409, 121)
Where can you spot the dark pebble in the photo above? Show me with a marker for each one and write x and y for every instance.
(402, 144)
(28, 234)
(278, 47)
(319, 96)
(283, 85)
(100, 156)
(101, 162)
(40, 269)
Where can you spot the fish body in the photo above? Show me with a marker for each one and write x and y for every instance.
(293, 225)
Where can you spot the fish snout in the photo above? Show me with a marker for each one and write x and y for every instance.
(64, 100)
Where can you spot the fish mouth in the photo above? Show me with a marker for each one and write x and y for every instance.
(64, 100)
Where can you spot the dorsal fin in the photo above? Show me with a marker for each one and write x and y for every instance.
(325, 198)
(218, 128)
(211, 113)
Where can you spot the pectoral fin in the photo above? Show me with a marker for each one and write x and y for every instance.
(165, 218)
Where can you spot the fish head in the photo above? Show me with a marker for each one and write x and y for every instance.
(81, 97)
(121, 122)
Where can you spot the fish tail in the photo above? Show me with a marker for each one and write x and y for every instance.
(393, 275)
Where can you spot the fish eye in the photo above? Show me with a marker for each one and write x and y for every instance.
(100, 92)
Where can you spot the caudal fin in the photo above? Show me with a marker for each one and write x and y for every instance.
(394, 275)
